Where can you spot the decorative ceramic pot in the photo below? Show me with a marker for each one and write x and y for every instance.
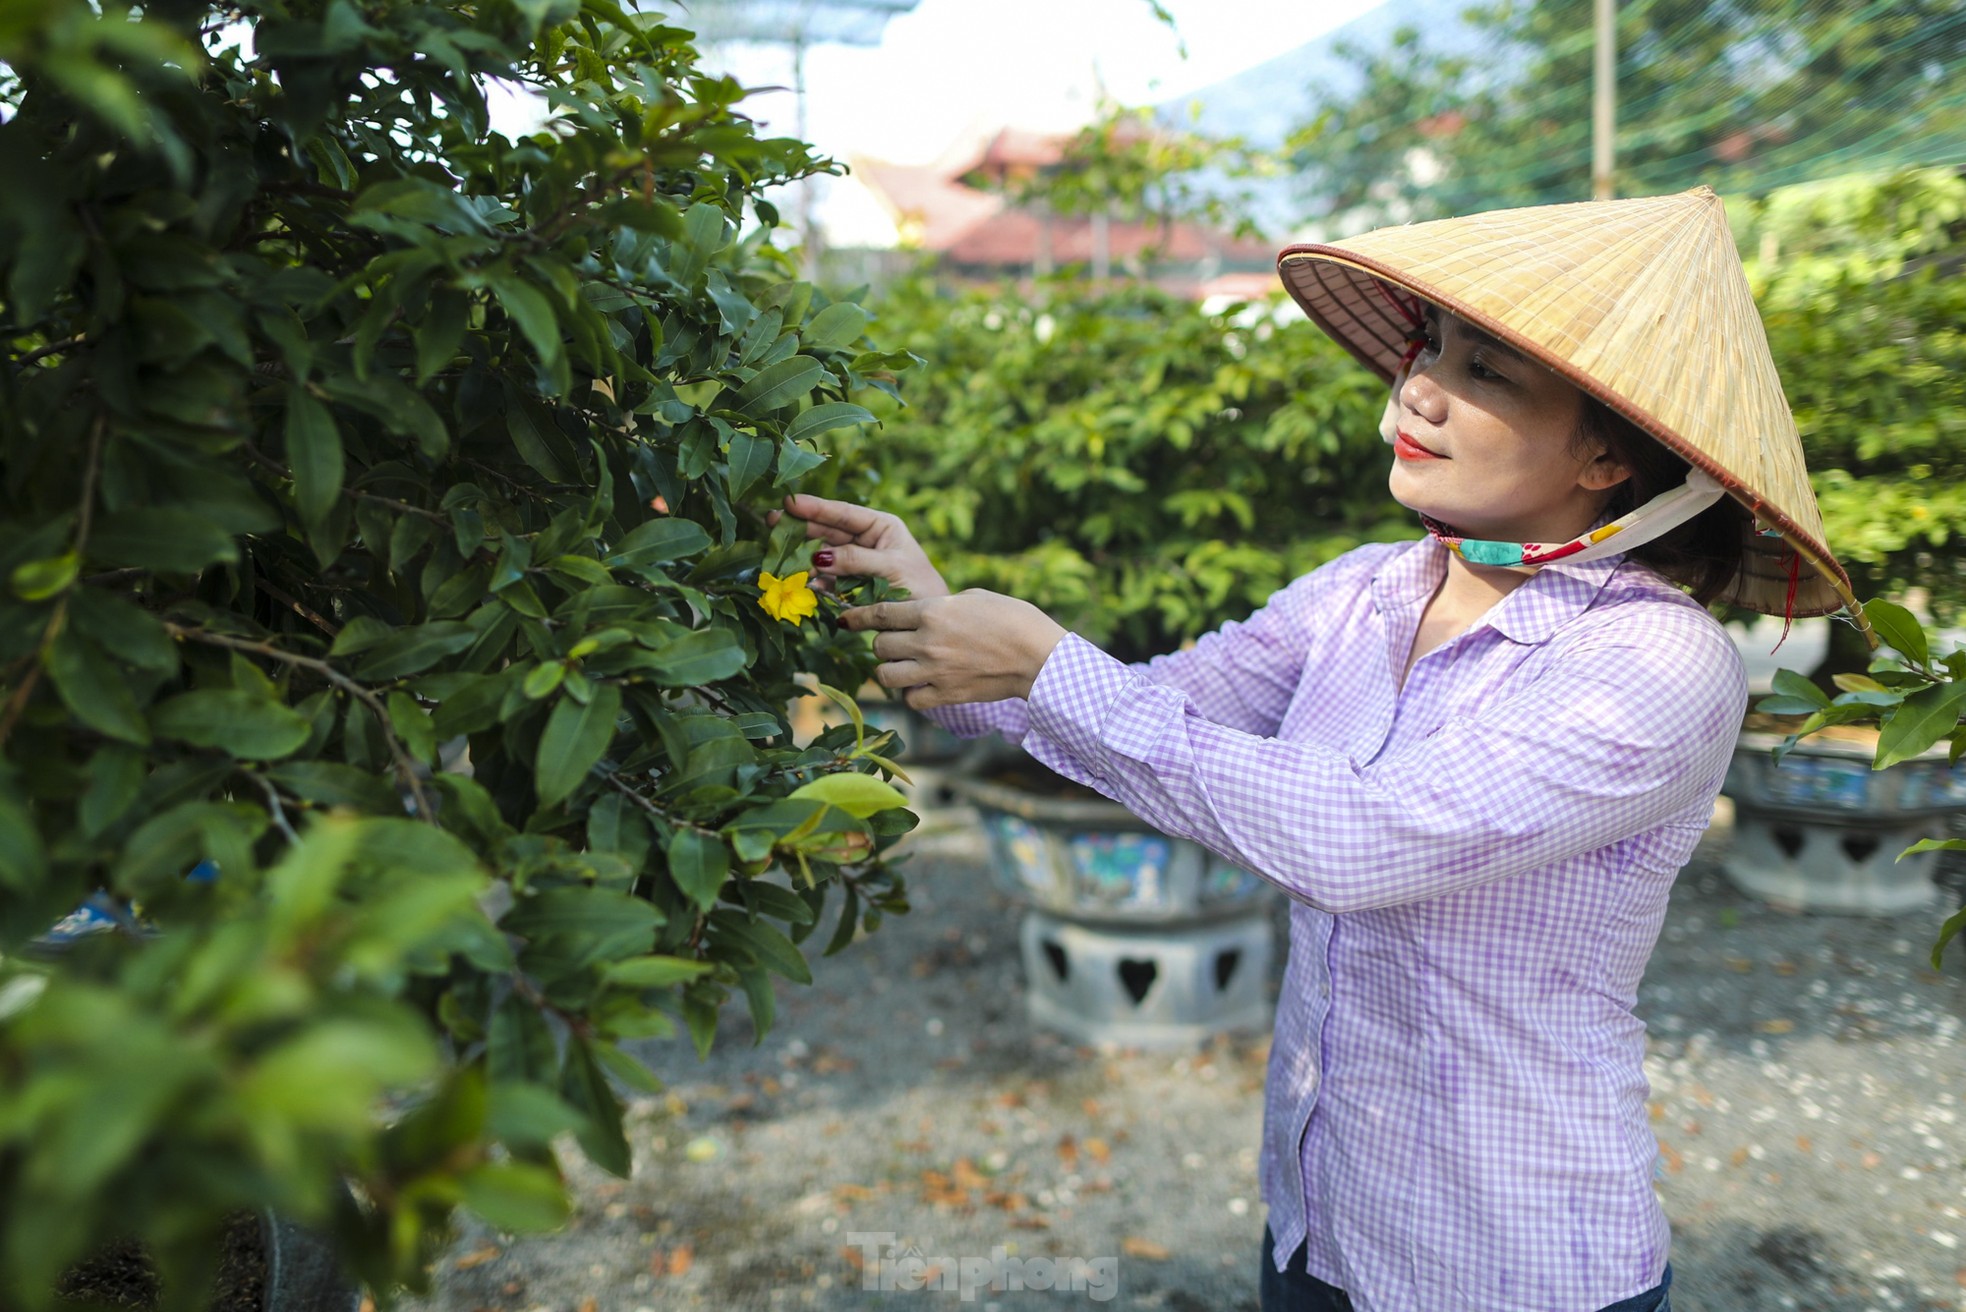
(1823, 830)
(1094, 862)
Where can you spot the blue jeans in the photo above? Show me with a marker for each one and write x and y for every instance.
(1295, 1289)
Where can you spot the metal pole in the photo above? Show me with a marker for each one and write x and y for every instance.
(808, 231)
(1604, 107)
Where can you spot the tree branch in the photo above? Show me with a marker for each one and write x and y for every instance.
(405, 763)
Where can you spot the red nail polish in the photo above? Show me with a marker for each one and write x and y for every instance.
(823, 559)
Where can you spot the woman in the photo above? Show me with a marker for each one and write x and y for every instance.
(1475, 761)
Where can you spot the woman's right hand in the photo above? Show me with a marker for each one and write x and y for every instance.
(866, 542)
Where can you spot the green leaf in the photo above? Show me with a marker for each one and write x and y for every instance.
(238, 723)
(699, 863)
(39, 580)
(1898, 628)
(859, 795)
(780, 385)
(415, 648)
(93, 689)
(438, 336)
(1954, 925)
(655, 972)
(615, 824)
(698, 657)
(1920, 721)
(533, 312)
(825, 418)
(519, 1046)
(314, 455)
(575, 739)
(516, 1196)
(331, 783)
(585, 1087)
(413, 727)
(1790, 684)
(23, 859)
(532, 447)
(834, 328)
(659, 540)
(750, 457)
(626, 1069)
(767, 942)
(127, 632)
(167, 540)
(527, 1114)
(116, 777)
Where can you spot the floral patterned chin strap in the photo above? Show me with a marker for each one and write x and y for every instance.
(1657, 517)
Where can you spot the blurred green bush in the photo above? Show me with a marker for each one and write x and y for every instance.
(1859, 283)
(1141, 468)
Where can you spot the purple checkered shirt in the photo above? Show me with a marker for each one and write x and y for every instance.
(1455, 1114)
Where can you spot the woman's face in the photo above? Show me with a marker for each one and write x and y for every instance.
(1486, 441)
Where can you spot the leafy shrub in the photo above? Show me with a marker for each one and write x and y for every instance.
(340, 432)
(1140, 468)
(1858, 280)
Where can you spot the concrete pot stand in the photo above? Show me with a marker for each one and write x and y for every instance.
(1131, 937)
(1822, 831)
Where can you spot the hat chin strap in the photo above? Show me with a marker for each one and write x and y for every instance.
(1656, 518)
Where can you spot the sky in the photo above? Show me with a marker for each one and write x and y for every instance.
(950, 71)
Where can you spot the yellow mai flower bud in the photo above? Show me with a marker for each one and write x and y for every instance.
(789, 598)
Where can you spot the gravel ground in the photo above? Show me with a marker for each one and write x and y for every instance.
(1809, 1096)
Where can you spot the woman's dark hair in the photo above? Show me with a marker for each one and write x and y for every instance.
(1707, 552)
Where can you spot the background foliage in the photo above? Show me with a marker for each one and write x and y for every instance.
(380, 541)
(1141, 469)
(1858, 280)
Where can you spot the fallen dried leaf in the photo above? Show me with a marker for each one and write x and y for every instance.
(1739, 1156)
(478, 1257)
(1783, 967)
(681, 1259)
(1870, 1160)
(853, 1258)
(851, 1193)
(1029, 1223)
(1674, 1162)
(1802, 1142)
(1739, 965)
(590, 1304)
(1068, 1152)
(1097, 1150)
(1780, 1025)
(1135, 1246)
(967, 1176)
(1091, 1108)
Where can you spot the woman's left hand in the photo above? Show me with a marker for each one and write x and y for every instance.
(974, 646)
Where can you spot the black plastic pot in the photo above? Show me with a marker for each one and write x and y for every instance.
(302, 1272)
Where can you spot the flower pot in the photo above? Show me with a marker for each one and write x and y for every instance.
(302, 1272)
(1823, 830)
(1132, 937)
(1094, 862)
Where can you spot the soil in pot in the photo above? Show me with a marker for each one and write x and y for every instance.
(122, 1275)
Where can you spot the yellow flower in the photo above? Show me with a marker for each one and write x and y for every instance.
(789, 598)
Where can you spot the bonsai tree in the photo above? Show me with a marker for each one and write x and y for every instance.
(389, 632)
(1140, 468)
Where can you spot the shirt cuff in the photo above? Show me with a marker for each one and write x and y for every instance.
(1073, 697)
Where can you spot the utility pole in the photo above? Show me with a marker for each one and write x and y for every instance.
(1604, 102)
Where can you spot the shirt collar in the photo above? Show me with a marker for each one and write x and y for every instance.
(1559, 591)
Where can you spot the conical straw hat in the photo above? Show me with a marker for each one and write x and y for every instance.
(1641, 303)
